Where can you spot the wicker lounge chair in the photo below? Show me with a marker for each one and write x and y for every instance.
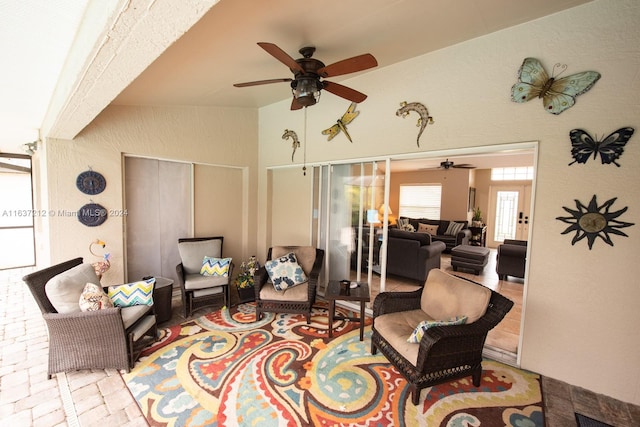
(299, 299)
(107, 338)
(444, 352)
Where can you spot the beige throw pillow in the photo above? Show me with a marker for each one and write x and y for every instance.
(427, 228)
(64, 289)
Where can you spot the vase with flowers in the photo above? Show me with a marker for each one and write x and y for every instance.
(244, 281)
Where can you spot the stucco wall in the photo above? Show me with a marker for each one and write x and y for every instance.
(580, 314)
(215, 136)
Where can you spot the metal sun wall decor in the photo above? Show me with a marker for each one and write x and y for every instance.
(406, 108)
(609, 148)
(341, 124)
(557, 94)
(594, 221)
(294, 137)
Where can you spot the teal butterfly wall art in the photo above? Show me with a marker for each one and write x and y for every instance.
(558, 94)
(610, 148)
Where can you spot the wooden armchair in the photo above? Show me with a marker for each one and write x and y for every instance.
(299, 299)
(444, 352)
(106, 338)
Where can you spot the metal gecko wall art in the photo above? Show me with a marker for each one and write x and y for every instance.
(296, 142)
(406, 108)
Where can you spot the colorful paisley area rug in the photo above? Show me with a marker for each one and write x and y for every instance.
(225, 369)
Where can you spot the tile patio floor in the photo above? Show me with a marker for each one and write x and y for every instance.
(100, 397)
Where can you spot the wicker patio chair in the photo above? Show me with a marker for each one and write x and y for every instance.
(444, 352)
(299, 299)
(107, 338)
(197, 290)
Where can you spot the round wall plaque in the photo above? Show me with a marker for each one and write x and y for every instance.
(92, 214)
(91, 182)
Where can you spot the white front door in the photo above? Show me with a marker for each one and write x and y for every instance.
(509, 213)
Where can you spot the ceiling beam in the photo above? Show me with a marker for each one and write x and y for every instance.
(117, 41)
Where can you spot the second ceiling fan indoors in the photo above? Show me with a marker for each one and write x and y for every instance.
(308, 73)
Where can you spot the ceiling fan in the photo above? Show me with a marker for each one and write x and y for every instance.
(446, 165)
(308, 73)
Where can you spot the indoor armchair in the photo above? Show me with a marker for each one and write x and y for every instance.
(511, 259)
(296, 299)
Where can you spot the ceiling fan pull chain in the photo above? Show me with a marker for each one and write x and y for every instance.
(304, 149)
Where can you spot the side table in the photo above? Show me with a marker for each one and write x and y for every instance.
(478, 236)
(336, 292)
(162, 298)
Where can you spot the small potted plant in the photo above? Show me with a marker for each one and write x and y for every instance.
(476, 221)
(244, 281)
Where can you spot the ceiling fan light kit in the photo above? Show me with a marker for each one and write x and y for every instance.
(306, 83)
(306, 91)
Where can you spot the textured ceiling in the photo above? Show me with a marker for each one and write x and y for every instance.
(200, 67)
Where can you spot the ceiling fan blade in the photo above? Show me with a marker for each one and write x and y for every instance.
(262, 82)
(281, 56)
(464, 166)
(350, 65)
(344, 92)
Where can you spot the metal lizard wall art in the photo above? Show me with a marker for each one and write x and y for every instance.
(341, 124)
(419, 108)
(296, 142)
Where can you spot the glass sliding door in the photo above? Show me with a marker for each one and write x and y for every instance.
(351, 202)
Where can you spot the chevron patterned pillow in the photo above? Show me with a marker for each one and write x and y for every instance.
(215, 266)
(137, 293)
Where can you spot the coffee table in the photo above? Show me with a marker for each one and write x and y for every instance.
(336, 292)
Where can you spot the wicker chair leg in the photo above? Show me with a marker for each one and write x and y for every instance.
(374, 349)
(415, 394)
(476, 376)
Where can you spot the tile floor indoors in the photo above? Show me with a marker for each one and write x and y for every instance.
(100, 397)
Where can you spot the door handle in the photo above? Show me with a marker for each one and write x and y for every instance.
(519, 217)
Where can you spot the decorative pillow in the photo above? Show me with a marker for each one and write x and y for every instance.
(429, 229)
(407, 227)
(418, 333)
(64, 289)
(285, 272)
(454, 228)
(137, 293)
(212, 266)
(93, 298)
(402, 222)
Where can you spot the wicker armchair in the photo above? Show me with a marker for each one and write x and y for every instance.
(299, 299)
(444, 352)
(107, 338)
(197, 290)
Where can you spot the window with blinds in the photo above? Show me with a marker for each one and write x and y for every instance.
(420, 200)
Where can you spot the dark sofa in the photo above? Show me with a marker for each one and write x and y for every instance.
(412, 255)
(462, 238)
(409, 254)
